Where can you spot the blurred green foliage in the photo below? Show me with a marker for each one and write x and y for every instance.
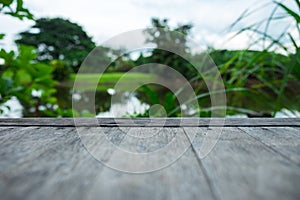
(166, 38)
(169, 103)
(30, 81)
(61, 71)
(58, 39)
(288, 67)
(258, 83)
(22, 76)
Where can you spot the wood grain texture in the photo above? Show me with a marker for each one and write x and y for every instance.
(241, 167)
(282, 140)
(44, 163)
(183, 179)
(142, 122)
(41, 161)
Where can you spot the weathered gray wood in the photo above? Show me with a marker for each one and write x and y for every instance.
(46, 163)
(182, 180)
(241, 167)
(4, 130)
(283, 140)
(51, 163)
(140, 122)
(41, 161)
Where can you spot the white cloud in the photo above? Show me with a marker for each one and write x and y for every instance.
(105, 19)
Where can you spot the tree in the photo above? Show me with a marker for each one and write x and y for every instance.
(166, 37)
(58, 39)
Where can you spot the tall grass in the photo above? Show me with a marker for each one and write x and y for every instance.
(260, 73)
(276, 74)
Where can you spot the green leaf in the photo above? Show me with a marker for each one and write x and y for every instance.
(6, 84)
(293, 41)
(8, 74)
(290, 12)
(23, 77)
(170, 102)
(43, 69)
(27, 53)
(152, 96)
(2, 36)
(52, 100)
(45, 81)
(20, 5)
(7, 56)
(6, 2)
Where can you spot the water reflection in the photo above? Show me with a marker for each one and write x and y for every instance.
(125, 104)
(129, 105)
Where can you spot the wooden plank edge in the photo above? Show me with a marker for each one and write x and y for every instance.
(154, 122)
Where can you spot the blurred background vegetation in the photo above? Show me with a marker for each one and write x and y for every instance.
(41, 72)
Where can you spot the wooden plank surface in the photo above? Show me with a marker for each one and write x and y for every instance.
(154, 122)
(240, 167)
(282, 140)
(57, 162)
(183, 179)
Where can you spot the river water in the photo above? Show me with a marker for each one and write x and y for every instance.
(125, 105)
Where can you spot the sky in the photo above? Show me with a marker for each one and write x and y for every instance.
(105, 19)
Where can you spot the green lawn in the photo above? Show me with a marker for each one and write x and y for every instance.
(108, 80)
